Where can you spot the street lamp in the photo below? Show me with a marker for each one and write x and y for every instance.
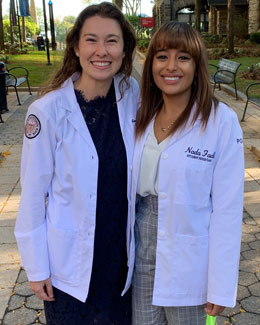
(53, 42)
(46, 33)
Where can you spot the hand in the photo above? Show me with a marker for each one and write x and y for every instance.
(213, 310)
(43, 289)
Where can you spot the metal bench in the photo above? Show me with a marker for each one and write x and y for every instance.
(251, 97)
(226, 73)
(11, 80)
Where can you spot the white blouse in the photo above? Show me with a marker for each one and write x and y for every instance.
(148, 172)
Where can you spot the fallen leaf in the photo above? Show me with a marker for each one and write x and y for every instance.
(6, 153)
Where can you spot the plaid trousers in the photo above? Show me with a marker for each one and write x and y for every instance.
(144, 313)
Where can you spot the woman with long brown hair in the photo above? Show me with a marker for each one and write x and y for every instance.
(76, 165)
(187, 185)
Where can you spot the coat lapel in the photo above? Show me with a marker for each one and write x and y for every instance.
(74, 116)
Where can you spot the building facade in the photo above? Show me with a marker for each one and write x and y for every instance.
(213, 14)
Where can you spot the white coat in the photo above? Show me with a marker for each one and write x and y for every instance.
(56, 237)
(200, 204)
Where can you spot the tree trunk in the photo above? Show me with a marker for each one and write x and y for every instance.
(197, 15)
(11, 30)
(1, 27)
(24, 29)
(230, 26)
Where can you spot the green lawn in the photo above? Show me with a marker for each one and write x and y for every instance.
(242, 83)
(36, 63)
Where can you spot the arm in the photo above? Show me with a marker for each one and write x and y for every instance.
(226, 217)
(36, 174)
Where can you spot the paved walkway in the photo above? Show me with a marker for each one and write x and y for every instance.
(17, 303)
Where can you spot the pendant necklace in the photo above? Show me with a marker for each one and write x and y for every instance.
(167, 128)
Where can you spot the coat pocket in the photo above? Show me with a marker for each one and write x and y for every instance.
(193, 185)
(191, 264)
(63, 254)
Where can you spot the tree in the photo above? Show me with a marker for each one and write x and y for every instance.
(40, 20)
(131, 6)
(62, 27)
(230, 26)
(31, 29)
(197, 15)
(119, 3)
(1, 27)
(88, 2)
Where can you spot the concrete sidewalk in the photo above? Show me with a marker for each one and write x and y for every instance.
(17, 303)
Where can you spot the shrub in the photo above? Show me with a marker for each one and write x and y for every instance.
(253, 72)
(4, 58)
(255, 37)
(22, 51)
(143, 43)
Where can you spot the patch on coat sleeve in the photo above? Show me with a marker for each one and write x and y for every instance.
(32, 126)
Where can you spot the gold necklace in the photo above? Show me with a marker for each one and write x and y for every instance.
(167, 128)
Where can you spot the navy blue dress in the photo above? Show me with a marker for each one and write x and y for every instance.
(104, 305)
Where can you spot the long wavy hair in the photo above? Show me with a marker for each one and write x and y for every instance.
(71, 62)
(176, 35)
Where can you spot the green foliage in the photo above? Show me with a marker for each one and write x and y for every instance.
(31, 29)
(4, 58)
(212, 40)
(135, 22)
(62, 27)
(143, 43)
(22, 51)
(241, 27)
(255, 37)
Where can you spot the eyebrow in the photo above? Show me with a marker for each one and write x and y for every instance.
(161, 50)
(94, 35)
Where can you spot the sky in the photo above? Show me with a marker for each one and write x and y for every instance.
(73, 7)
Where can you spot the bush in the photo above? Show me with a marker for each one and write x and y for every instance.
(255, 37)
(211, 40)
(143, 43)
(4, 58)
(253, 72)
(22, 51)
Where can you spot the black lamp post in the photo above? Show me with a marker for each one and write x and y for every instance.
(46, 33)
(53, 41)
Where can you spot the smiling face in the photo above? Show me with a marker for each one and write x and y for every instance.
(173, 72)
(100, 50)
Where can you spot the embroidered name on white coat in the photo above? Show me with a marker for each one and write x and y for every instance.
(204, 155)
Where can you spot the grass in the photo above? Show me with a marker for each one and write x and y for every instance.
(242, 83)
(36, 63)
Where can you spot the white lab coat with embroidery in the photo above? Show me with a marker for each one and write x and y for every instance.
(56, 238)
(200, 204)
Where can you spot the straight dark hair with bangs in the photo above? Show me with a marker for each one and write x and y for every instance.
(176, 35)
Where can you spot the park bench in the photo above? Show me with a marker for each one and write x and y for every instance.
(12, 80)
(226, 73)
(251, 97)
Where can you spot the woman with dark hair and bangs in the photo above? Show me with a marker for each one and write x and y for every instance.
(77, 152)
(187, 187)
